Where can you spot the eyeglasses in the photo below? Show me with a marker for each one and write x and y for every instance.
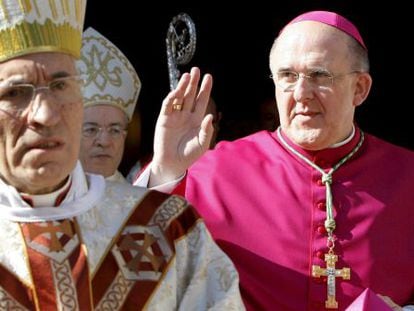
(320, 79)
(92, 131)
(16, 98)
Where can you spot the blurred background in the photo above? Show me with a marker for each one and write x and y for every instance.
(233, 45)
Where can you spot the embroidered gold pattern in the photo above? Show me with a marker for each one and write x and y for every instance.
(66, 295)
(116, 294)
(45, 37)
(140, 251)
(226, 277)
(78, 10)
(52, 229)
(25, 6)
(7, 302)
(53, 9)
(107, 66)
(65, 6)
(148, 256)
(168, 211)
(102, 76)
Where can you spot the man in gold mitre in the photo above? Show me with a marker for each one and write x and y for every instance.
(70, 240)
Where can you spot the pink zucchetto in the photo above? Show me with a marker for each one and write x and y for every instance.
(331, 19)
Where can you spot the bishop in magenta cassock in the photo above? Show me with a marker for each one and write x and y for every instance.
(316, 212)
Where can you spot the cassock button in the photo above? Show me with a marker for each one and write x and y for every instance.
(321, 229)
(321, 206)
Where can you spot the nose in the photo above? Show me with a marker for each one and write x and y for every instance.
(43, 108)
(304, 80)
(103, 138)
(303, 90)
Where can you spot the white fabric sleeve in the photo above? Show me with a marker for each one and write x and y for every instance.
(205, 274)
(408, 308)
(168, 187)
(200, 277)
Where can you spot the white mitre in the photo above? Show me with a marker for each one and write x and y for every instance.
(110, 79)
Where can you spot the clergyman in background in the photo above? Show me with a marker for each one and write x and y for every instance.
(110, 95)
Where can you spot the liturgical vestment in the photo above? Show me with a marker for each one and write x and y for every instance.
(110, 246)
(266, 208)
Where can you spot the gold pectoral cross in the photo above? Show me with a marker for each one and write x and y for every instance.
(331, 273)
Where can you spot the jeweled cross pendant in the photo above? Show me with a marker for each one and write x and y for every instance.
(331, 273)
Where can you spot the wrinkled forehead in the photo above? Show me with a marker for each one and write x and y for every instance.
(38, 66)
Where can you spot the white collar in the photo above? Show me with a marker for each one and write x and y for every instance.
(345, 141)
(48, 199)
(78, 200)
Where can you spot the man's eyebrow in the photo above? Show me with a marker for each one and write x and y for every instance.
(318, 69)
(285, 69)
(116, 123)
(103, 125)
(60, 74)
(90, 123)
(20, 79)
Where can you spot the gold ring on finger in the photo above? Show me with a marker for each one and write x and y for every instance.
(177, 107)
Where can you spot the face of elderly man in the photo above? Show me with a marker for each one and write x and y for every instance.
(318, 111)
(40, 135)
(103, 139)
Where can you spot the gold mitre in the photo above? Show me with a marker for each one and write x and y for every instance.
(110, 79)
(30, 26)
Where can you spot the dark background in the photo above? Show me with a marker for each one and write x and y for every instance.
(234, 45)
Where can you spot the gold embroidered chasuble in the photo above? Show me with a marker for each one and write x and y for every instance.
(121, 254)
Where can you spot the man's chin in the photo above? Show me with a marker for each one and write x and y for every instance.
(49, 175)
(39, 183)
(307, 138)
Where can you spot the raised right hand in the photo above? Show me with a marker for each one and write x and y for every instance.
(182, 136)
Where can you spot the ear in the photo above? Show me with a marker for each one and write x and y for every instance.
(363, 85)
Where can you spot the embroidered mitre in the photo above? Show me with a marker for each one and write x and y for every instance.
(110, 79)
(30, 26)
